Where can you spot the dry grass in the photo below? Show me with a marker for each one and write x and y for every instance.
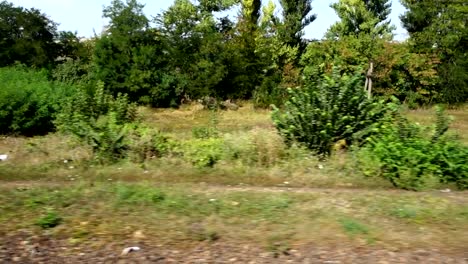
(237, 200)
(180, 122)
(459, 125)
(261, 157)
(187, 213)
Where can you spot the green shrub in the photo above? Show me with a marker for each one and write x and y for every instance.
(415, 157)
(331, 109)
(270, 92)
(204, 152)
(50, 220)
(28, 101)
(73, 72)
(89, 103)
(100, 120)
(106, 136)
(146, 143)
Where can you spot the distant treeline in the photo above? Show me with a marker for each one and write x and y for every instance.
(189, 52)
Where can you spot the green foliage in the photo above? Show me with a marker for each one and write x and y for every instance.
(71, 47)
(327, 110)
(73, 72)
(128, 56)
(296, 16)
(409, 76)
(438, 28)
(204, 132)
(27, 36)
(270, 92)
(204, 153)
(99, 120)
(31, 38)
(368, 17)
(416, 157)
(50, 220)
(147, 143)
(87, 104)
(106, 137)
(196, 52)
(28, 101)
(398, 72)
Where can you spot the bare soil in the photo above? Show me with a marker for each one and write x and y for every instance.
(26, 248)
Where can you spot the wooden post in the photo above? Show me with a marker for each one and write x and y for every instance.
(368, 84)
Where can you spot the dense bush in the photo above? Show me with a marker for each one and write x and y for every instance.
(28, 101)
(147, 143)
(333, 108)
(204, 153)
(73, 72)
(88, 104)
(98, 119)
(270, 92)
(415, 157)
(106, 136)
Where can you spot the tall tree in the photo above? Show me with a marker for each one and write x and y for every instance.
(71, 47)
(26, 36)
(358, 17)
(198, 44)
(128, 53)
(248, 26)
(439, 27)
(296, 16)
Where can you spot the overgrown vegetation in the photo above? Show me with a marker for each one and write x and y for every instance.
(416, 157)
(217, 127)
(29, 102)
(331, 108)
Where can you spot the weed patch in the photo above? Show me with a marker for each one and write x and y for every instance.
(50, 220)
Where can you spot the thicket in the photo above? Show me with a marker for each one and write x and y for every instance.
(416, 157)
(331, 107)
(188, 52)
(29, 102)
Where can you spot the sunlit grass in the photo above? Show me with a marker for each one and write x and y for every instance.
(189, 213)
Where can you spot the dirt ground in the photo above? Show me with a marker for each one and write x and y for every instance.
(25, 247)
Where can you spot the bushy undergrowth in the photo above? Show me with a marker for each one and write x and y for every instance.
(204, 152)
(325, 111)
(415, 157)
(98, 119)
(28, 101)
(87, 104)
(147, 143)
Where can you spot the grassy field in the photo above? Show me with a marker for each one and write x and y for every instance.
(274, 197)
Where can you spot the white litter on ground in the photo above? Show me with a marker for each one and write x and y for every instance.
(129, 249)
